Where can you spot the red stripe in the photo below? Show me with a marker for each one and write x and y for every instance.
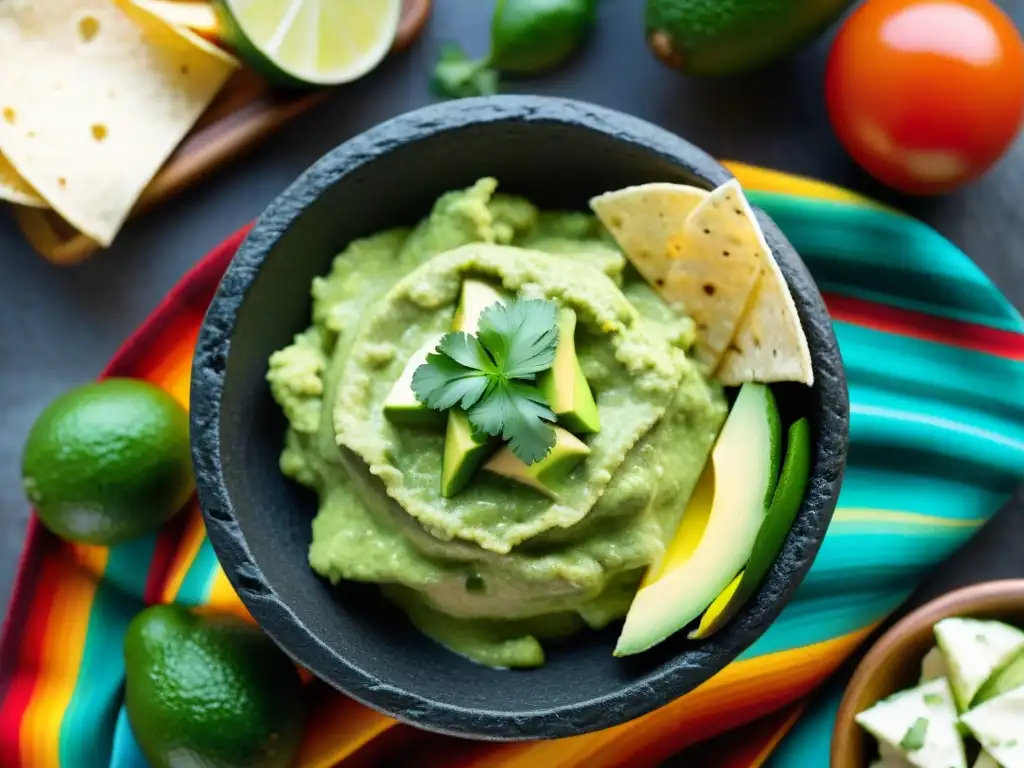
(167, 541)
(32, 630)
(919, 325)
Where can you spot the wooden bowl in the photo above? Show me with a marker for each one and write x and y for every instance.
(894, 662)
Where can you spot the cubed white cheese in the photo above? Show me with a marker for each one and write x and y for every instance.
(998, 725)
(921, 724)
(933, 665)
(974, 649)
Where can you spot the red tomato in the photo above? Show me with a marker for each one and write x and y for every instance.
(926, 94)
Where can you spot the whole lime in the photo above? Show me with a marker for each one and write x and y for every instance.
(209, 690)
(108, 461)
(530, 36)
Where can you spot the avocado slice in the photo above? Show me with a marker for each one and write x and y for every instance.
(401, 406)
(974, 649)
(796, 470)
(464, 452)
(564, 384)
(565, 454)
(704, 558)
(474, 298)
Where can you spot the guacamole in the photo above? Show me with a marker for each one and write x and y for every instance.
(497, 568)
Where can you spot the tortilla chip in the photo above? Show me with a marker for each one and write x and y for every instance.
(770, 344)
(647, 221)
(15, 189)
(96, 96)
(714, 276)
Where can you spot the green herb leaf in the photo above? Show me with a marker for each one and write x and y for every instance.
(521, 336)
(933, 700)
(914, 738)
(442, 383)
(457, 76)
(487, 375)
(519, 413)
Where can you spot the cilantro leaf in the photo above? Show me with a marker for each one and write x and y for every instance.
(521, 336)
(442, 382)
(519, 413)
(456, 75)
(487, 375)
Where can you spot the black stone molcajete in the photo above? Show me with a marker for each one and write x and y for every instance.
(559, 153)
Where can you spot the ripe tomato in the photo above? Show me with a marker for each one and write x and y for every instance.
(926, 94)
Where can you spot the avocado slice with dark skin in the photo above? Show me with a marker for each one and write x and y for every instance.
(564, 384)
(565, 454)
(464, 450)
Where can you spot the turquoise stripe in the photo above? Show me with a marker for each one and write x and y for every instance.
(929, 369)
(808, 745)
(89, 718)
(884, 256)
(126, 752)
(195, 587)
(128, 565)
(807, 621)
(892, 488)
(863, 557)
(88, 723)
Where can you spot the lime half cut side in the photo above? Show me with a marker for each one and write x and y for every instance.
(311, 42)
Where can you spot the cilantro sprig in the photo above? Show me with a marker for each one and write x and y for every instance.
(489, 375)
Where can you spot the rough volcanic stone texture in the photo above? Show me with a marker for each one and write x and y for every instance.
(559, 153)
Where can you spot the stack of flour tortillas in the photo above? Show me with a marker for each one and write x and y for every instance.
(704, 253)
(95, 96)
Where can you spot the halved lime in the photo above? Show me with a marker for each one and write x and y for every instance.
(311, 42)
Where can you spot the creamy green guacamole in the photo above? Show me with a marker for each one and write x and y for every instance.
(497, 568)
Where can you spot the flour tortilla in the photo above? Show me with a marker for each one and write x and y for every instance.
(15, 189)
(101, 92)
(647, 223)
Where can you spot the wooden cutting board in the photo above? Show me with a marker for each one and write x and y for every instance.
(246, 111)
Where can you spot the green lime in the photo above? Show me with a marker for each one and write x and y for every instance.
(108, 461)
(529, 36)
(309, 42)
(211, 691)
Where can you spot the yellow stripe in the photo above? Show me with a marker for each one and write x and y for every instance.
(61, 657)
(852, 515)
(224, 598)
(766, 180)
(188, 547)
(741, 682)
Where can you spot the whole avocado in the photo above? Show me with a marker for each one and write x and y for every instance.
(721, 37)
(211, 691)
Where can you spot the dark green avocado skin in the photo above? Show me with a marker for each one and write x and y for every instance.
(722, 37)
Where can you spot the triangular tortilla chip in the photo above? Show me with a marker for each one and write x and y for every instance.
(770, 344)
(15, 189)
(714, 277)
(96, 95)
(647, 223)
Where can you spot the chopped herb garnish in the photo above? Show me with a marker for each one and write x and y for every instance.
(933, 699)
(1012, 743)
(915, 735)
(489, 375)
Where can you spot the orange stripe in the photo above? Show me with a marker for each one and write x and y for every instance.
(776, 738)
(191, 539)
(743, 690)
(338, 730)
(61, 657)
(173, 371)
